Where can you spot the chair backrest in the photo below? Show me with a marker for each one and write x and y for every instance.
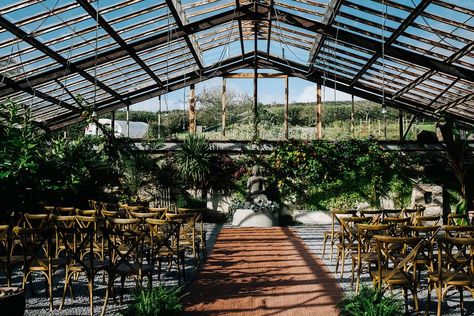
(427, 220)
(35, 220)
(160, 211)
(458, 231)
(396, 255)
(66, 211)
(348, 227)
(163, 233)
(63, 220)
(376, 215)
(366, 232)
(125, 242)
(48, 209)
(35, 242)
(455, 256)
(391, 213)
(92, 213)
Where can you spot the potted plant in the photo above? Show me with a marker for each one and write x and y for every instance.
(12, 301)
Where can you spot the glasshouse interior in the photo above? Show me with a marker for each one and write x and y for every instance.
(237, 157)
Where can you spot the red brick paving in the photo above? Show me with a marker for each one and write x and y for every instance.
(262, 271)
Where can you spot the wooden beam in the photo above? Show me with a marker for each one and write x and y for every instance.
(192, 110)
(241, 35)
(251, 76)
(319, 132)
(352, 116)
(224, 106)
(400, 124)
(285, 123)
(255, 80)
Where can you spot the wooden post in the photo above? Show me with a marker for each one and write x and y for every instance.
(352, 118)
(159, 116)
(113, 123)
(285, 123)
(128, 121)
(318, 112)
(192, 110)
(400, 124)
(224, 106)
(255, 81)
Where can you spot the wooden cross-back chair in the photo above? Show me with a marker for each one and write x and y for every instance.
(366, 254)
(455, 270)
(165, 243)
(65, 210)
(348, 242)
(8, 262)
(33, 242)
(187, 238)
(159, 211)
(81, 257)
(391, 213)
(333, 234)
(200, 232)
(395, 259)
(126, 254)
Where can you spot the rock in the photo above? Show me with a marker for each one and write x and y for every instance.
(248, 218)
(429, 195)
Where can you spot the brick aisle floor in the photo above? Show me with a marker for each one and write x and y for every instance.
(262, 271)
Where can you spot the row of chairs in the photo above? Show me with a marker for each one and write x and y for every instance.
(127, 242)
(395, 246)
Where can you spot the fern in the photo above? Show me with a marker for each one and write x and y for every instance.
(370, 302)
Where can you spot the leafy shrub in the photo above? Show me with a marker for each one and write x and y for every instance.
(370, 302)
(159, 301)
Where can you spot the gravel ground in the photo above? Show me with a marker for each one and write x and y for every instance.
(313, 237)
(39, 303)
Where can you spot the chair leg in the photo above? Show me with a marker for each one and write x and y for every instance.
(90, 285)
(324, 246)
(439, 291)
(337, 261)
(50, 287)
(66, 284)
(428, 301)
(343, 263)
(122, 286)
(461, 300)
(107, 292)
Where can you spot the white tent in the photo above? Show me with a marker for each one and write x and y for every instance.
(137, 129)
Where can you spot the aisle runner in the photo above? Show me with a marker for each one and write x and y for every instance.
(262, 271)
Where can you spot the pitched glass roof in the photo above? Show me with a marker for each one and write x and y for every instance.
(114, 53)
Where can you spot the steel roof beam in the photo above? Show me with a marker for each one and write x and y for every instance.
(400, 29)
(31, 40)
(180, 18)
(117, 38)
(245, 12)
(143, 94)
(329, 16)
(370, 44)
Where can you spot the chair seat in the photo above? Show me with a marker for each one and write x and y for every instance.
(97, 265)
(398, 278)
(42, 264)
(365, 256)
(452, 278)
(133, 269)
(14, 260)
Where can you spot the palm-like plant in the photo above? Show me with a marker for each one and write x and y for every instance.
(193, 162)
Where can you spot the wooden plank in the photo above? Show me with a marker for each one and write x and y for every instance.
(251, 76)
(192, 110)
(319, 132)
(224, 106)
(285, 123)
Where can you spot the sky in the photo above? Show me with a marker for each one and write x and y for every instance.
(269, 91)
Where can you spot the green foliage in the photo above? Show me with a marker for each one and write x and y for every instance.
(193, 161)
(370, 302)
(158, 301)
(326, 175)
